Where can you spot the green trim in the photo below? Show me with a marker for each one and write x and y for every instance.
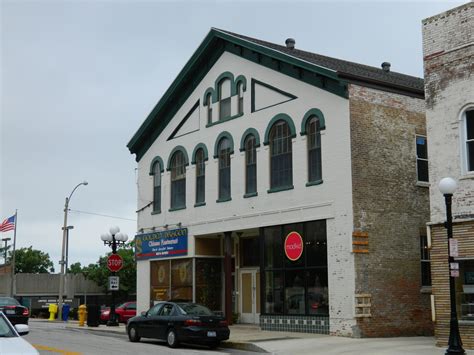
(243, 80)
(313, 112)
(183, 121)
(207, 92)
(314, 183)
(219, 200)
(291, 97)
(282, 188)
(219, 137)
(251, 194)
(225, 120)
(177, 209)
(156, 212)
(224, 75)
(278, 117)
(175, 149)
(204, 148)
(199, 204)
(157, 159)
(247, 132)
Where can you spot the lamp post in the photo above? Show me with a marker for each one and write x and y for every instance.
(113, 239)
(63, 262)
(447, 186)
(5, 240)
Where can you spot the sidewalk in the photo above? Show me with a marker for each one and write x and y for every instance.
(252, 338)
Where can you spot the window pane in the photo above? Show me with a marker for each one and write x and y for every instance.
(273, 297)
(470, 124)
(273, 247)
(422, 170)
(224, 169)
(317, 296)
(209, 283)
(294, 292)
(157, 198)
(470, 155)
(421, 147)
(422, 158)
(281, 156)
(315, 243)
(178, 181)
(182, 279)
(224, 108)
(250, 255)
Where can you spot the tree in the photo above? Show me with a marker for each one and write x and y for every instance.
(29, 260)
(75, 268)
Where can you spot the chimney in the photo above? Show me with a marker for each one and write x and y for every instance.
(290, 43)
(386, 66)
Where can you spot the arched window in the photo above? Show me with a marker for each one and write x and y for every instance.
(240, 100)
(156, 171)
(200, 177)
(178, 180)
(224, 99)
(250, 165)
(281, 160)
(208, 103)
(314, 149)
(468, 138)
(224, 150)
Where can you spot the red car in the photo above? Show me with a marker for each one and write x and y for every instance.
(124, 312)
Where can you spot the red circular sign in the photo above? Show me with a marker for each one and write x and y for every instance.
(293, 246)
(114, 262)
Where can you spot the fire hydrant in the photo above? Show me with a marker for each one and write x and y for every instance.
(82, 312)
(53, 309)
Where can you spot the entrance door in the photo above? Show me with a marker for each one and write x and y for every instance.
(250, 296)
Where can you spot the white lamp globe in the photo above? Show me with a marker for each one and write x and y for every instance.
(124, 237)
(447, 186)
(119, 236)
(104, 237)
(114, 230)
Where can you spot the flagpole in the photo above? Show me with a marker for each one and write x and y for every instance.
(12, 284)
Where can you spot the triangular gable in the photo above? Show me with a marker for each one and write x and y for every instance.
(189, 124)
(265, 96)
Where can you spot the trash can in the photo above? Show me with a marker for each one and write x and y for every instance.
(66, 309)
(93, 315)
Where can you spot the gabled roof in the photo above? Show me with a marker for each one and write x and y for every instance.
(327, 73)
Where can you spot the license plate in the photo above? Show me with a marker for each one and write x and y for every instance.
(9, 311)
(211, 334)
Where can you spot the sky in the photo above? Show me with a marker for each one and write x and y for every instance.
(78, 78)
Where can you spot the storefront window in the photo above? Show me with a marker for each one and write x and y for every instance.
(465, 281)
(209, 283)
(273, 292)
(273, 247)
(182, 280)
(160, 280)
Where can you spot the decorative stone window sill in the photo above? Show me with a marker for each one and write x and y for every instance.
(177, 208)
(251, 194)
(425, 289)
(223, 199)
(156, 212)
(423, 184)
(278, 189)
(313, 183)
(224, 120)
(467, 176)
(199, 204)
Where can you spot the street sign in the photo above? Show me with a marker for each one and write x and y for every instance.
(453, 247)
(114, 283)
(114, 262)
(454, 273)
(454, 266)
(293, 246)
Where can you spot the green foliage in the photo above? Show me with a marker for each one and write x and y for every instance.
(29, 260)
(75, 268)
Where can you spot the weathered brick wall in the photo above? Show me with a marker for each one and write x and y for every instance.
(464, 233)
(390, 206)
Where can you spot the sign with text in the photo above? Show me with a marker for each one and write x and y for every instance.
(453, 247)
(114, 262)
(293, 246)
(454, 273)
(164, 244)
(114, 283)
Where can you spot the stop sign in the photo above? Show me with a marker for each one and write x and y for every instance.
(114, 262)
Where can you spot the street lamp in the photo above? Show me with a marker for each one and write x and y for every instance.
(113, 239)
(5, 240)
(447, 186)
(62, 262)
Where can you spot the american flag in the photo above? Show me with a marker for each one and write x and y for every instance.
(8, 224)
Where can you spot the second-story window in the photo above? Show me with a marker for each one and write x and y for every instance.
(314, 150)
(469, 138)
(157, 187)
(224, 99)
(200, 177)
(208, 103)
(281, 159)
(224, 168)
(422, 158)
(178, 181)
(250, 165)
(240, 100)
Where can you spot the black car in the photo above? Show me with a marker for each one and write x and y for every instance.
(178, 322)
(14, 311)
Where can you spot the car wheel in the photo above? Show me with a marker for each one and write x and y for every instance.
(214, 345)
(133, 334)
(172, 339)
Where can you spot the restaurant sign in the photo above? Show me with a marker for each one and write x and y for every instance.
(164, 244)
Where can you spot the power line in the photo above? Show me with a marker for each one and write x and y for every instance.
(103, 215)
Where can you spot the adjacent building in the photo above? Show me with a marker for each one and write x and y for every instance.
(287, 189)
(448, 50)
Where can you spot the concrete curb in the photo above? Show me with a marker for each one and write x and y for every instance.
(242, 346)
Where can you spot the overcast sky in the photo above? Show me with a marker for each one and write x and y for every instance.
(79, 77)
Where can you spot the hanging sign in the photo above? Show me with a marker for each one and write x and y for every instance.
(293, 246)
(114, 283)
(453, 247)
(164, 244)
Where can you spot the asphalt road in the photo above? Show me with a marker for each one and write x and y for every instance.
(55, 338)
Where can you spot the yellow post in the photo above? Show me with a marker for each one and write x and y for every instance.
(53, 309)
(82, 314)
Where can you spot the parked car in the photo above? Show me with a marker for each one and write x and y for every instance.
(14, 311)
(180, 322)
(10, 340)
(124, 312)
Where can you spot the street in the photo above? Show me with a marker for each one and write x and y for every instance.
(55, 338)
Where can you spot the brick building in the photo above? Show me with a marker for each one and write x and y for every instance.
(448, 51)
(286, 187)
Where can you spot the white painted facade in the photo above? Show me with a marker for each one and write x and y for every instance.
(331, 200)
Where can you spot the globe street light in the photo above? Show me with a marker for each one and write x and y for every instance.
(447, 186)
(62, 262)
(113, 239)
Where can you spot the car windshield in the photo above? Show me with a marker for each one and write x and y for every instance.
(5, 330)
(8, 301)
(194, 309)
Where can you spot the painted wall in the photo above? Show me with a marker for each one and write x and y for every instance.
(332, 200)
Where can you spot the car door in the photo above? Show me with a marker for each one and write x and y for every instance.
(160, 322)
(146, 327)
